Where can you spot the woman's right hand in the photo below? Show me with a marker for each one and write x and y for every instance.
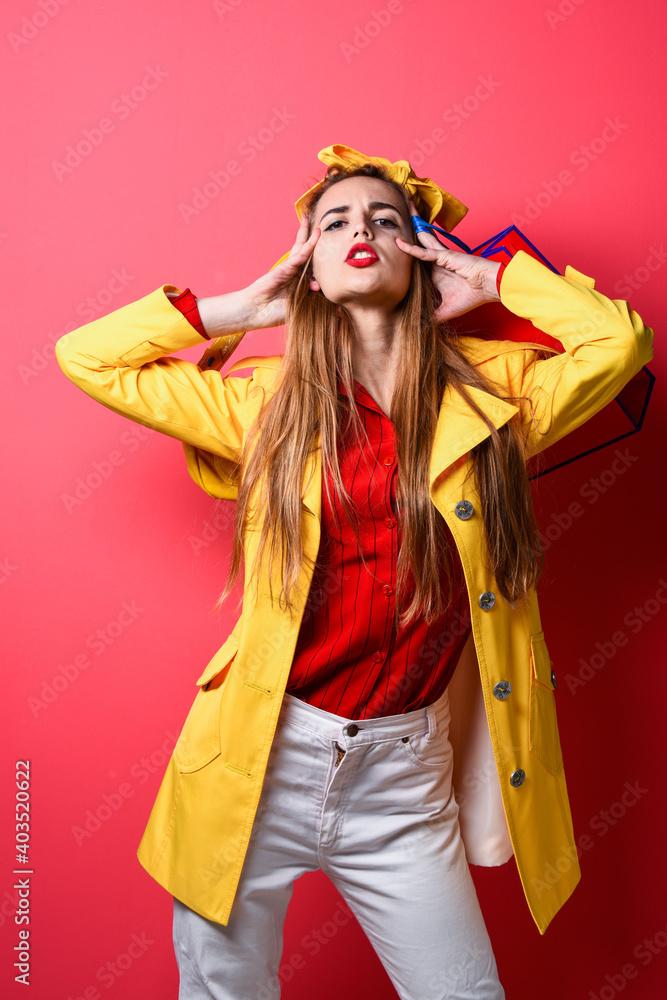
(266, 298)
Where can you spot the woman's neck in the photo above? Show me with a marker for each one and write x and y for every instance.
(376, 352)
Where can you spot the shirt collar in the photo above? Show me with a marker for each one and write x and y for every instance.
(361, 395)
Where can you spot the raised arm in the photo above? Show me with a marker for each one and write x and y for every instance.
(605, 342)
(121, 361)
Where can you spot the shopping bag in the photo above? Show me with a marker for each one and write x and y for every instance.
(493, 321)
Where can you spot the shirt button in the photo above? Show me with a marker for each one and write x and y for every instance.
(377, 657)
(389, 460)
(463, 510)
(387, 590)
(390, 522)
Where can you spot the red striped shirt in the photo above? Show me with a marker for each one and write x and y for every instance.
(350, 659)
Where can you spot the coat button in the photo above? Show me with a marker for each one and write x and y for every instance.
(517, 777)
(502, 690)
(487, 600)
(463, 509)
(352, 730)
(553, 679)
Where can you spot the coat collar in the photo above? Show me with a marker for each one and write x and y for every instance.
(458, 430)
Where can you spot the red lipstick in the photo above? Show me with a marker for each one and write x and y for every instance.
(369, 255)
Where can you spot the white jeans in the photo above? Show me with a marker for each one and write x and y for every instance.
(381, 821)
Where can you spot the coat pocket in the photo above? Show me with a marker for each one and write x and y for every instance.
(544, 740)
(199, 741)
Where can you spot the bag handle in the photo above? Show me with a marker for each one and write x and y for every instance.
(422, 226)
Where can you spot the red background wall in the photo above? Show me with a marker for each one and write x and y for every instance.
(495, 101)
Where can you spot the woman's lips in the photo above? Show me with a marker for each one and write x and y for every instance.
(362, 261)
(369, 255)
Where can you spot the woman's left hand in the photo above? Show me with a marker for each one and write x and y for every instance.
(463, 280)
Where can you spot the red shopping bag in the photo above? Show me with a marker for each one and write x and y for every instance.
(492, 321)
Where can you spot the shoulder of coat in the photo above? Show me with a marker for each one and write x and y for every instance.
(258, 363)
(480, 351)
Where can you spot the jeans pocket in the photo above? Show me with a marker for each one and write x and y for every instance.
(427, 754)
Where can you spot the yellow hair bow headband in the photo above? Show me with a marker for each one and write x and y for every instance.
(432, 202)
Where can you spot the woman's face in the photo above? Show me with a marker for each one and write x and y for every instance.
(368, 211)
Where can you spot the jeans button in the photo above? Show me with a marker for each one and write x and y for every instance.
(352, 730)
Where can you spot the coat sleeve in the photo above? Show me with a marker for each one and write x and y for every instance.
(120, 360)
(605, 342)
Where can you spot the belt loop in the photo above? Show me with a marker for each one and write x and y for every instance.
(432, 724)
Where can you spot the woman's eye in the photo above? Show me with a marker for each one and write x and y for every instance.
(385, 223)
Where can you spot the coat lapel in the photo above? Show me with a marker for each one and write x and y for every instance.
(459, 428)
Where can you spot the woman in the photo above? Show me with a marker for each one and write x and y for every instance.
(385, 519)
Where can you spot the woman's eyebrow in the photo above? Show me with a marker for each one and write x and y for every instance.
(373, 204)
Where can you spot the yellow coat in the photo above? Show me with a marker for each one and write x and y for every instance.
(509, 775)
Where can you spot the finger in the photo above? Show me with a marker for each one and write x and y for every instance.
(302, 234)
(429, 239)
(301, 251)
(447, 253)
(426, 238)
(425, 253)
(441, 257)
(304, 244)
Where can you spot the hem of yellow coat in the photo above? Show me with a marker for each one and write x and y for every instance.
(542, 925)
(149, 866)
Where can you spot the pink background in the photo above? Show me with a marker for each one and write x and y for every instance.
(535, 89)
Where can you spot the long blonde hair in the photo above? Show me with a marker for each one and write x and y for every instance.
(306, 405)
